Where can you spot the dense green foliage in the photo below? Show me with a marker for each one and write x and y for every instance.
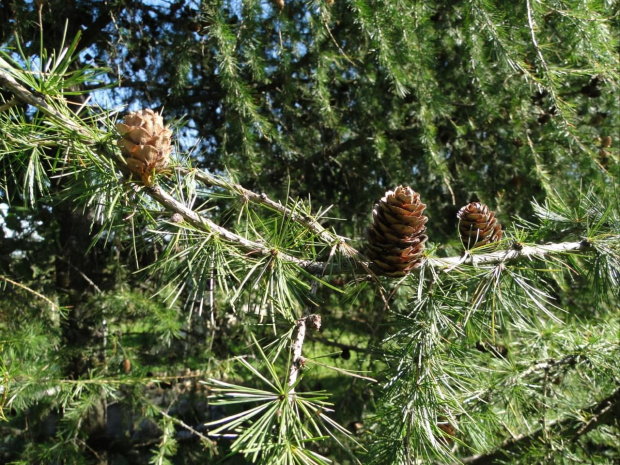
(163, 324)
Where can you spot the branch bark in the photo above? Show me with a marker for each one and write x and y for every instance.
(298, 361)
(511, 255)
(262, 199)
(205, 224)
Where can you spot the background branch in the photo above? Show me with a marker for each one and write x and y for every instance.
(605, 412)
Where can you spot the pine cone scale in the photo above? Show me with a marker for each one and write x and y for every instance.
(388, 241)
(400, 210)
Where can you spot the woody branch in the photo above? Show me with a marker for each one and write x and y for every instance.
(356, 262)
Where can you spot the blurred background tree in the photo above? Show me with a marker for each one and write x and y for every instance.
(114, 312)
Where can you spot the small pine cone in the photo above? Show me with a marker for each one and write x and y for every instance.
(146, 143)
(478, 225)
(126, 365)
(396, 239)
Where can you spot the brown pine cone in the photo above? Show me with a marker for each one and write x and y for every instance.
(146, 143)
(396, 237)
(478, 225)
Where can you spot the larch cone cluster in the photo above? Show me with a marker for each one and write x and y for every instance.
(396, 237)
(478, 226)
(145, 143)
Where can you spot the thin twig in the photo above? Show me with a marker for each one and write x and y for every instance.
(205, 224)
(32, 291)
(23, 94)
(262, 199)
(607, 406)
(184, 425)
(82, 274)
(530, 22)
(28, 97)
(8, 105)
(320, 268)
(335, 41)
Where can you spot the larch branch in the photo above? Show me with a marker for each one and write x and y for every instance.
(357, 264)
(604, 412)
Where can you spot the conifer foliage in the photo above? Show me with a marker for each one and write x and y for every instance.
(207, 289)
